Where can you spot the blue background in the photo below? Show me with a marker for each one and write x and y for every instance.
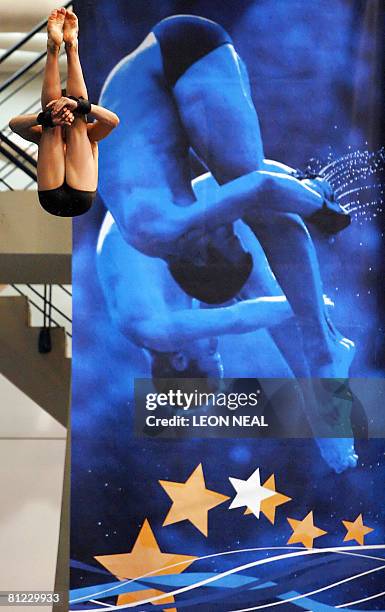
(313, 67)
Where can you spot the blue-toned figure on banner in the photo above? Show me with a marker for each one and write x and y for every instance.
(188, 89)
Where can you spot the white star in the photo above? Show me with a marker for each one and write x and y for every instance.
(250, 493)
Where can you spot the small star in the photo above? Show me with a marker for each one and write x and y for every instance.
(145, 557)
(304, 532)
(191, 500)
(250, 493)
(356, 530)
(269, 506)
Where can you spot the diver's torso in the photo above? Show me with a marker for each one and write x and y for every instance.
(148, 153)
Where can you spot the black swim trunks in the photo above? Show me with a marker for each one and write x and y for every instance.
(65, 201)
(185, 39)
(214, 268)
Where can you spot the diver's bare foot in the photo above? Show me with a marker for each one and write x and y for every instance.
(334, 434)
(342, 357)
(329, 304)
(71, 29)
(55, 28)
(338, 453)
(338, 361)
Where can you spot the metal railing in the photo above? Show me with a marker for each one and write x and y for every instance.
(50, 307)
(17, 156)
(10, 168)
(44, 303)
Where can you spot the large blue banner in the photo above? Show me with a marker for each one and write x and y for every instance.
(228, 355)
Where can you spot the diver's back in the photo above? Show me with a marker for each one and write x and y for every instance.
(149, 145)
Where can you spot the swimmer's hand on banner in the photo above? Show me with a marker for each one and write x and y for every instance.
(332, 217)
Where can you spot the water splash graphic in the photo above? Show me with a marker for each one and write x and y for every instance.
(358, 181)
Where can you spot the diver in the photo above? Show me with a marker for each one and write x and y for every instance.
(67, 167)
(189, 90)
(152, 311)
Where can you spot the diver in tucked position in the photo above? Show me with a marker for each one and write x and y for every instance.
(67, 167)
(189, 89)
(150, 309)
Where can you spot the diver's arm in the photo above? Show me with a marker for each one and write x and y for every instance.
(105, 122)
(27, 127)
(169, 333)
(244, 195)
(155, 229)
(271, 165)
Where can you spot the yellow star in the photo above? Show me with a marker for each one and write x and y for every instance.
(356, 530)
(145, 557)
(191, 501)
(269, 506)
(304, 531)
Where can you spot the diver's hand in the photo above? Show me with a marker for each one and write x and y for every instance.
(65, 120)
(338, 453)
(322, 187)
(64, 117)
(62, 103)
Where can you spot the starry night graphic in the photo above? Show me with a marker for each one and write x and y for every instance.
(293, 546)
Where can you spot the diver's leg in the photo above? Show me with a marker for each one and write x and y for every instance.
(295, 265)
(76, 85)
(51, 89)
(51, 160)
(280, 343)
(217, 112)
(80, 161)
(294, 262)
(215, 105)
(51, 163)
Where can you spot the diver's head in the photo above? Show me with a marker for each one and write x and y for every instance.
(198, 359)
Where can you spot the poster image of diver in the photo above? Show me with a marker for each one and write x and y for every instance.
(235, 254)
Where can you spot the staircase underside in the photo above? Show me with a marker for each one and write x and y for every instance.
(45, 378)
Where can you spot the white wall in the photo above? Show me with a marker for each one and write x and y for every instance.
(23, 15)
(32, 450)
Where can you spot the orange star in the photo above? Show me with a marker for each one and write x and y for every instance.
(145, 557)
(269, 506)
(356, 530)
(304, 531)
(191, 500)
